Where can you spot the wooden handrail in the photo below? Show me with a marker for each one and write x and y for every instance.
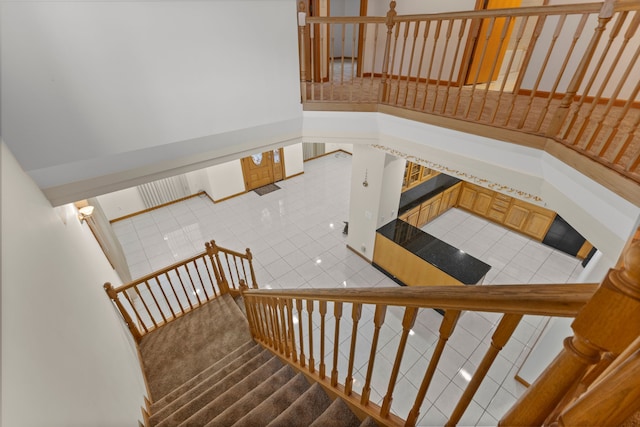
(557, 300)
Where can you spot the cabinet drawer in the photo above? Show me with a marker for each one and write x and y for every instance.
(496, 215)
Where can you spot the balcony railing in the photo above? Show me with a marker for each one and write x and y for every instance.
(567, 72)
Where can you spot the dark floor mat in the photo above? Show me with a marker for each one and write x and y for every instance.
(266, 189)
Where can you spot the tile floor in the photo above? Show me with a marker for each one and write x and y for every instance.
(295, 234)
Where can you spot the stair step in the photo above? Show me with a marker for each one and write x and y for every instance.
(233, 394)
(368, 422)
(192, 402)
(244, 405)
(273, 406)
(305, 410)
(337, 414)
(223, 366)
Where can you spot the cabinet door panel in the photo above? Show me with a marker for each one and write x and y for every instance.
(455, 192)
(467, 198)
(424, 213)
(537, 225)
(482, 203)
(435, 208)
(516, 217)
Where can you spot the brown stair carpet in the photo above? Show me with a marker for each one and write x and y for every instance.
(242, 384)
(180, 350)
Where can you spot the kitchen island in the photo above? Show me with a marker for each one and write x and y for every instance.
(414, 258)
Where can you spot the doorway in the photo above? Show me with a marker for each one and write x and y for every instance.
(487, 51)
(262, 169)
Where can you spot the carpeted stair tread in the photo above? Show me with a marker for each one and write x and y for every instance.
(233, 393)
(369, 422)
(192, 402)
(180, 350)
(221, 368)
(244, 405)
(337, 414)
(273, 406)
(305, 410)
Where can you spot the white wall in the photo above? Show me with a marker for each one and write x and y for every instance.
(334, 146)
(121, 203)
(391, 189)
(67, 359)
(92, 89)
(293, 161)
(226, 180)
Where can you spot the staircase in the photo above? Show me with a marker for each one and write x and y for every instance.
(204, 369)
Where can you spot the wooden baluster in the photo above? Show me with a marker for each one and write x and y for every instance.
(142, 323)
(373, 64)
(323, 311)
(393, 62)
(292, 335)
(204, 289)
(408, 320)
(474, 31)
(353, 66)
(275, 324)
(446, 329)
(153, 296)
(356, 312)
(400, 69)
(264, 332)
(461, 32)
(231, 281)
(416, 32)
(518, 39)
(213, 252)
(193, 286)
(603, 324)
(254, 282)
(442, 62)
(312, 365)
(436, 36)
(283, 327)
(211, 282)
(503, 35)
(344, 30)
(253, 324)
(265, 322)
(384, 84)
(165, 297)
(337, 314)
(125, 314)
(300, 332)
(424, 46)
(560, 73)
(175, 294)
(622, 148)
(615, 30)
(378, 321)
(332, 61)
(302, 26)
(562, 111)
(312, 31)
(184, 288)
(503, 332)
(486, 44)
(144, 304)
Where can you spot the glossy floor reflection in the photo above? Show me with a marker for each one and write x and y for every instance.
(295, 235)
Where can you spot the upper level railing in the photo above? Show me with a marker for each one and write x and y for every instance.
(567, 72)
(164, 295)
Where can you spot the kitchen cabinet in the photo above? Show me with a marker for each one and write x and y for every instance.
(415, 174)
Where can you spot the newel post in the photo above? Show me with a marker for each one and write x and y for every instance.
(607, 323)
(389, 22)
(213, 252)
(125, 315)
(254, 282)
(557, 121)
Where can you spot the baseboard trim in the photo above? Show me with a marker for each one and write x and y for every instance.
(359, 254)
(182, 199)
(328, 154)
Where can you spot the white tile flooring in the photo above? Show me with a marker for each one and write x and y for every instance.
(296, 237)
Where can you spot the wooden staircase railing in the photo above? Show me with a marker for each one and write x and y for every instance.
(285, 322)
(593, 381)
(164, 295)
(564, 72)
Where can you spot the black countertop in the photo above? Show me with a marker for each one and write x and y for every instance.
(456, 263)
(420, 193)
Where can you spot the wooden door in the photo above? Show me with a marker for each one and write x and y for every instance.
(487, 51)
(258, 170)
(278, 164)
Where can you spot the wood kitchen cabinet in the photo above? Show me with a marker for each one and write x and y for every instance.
(516, 214)
(430, 209)
(415, 174)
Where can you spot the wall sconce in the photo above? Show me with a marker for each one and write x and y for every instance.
(85, 213)
(365, 183)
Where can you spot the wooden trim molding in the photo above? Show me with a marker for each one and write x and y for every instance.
(182, 199)
(359, 254)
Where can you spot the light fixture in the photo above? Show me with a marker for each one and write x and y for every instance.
(365, 183)
(84, 213)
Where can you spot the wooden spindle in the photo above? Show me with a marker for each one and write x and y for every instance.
(424, 47)
(204, 289)
(144, 304)
(393, 62)
(322, 309)
(300, 334)
(485, 46)
(378, 321)
(337, 314)
(211, 282)
(447, 38)
(153, 297)
(389, 22)
(416, 32)
(113, 295)
(312, 362)
(356, 312)
(408, 320)
(461, 32)
(436, 36)
(447, 326)
(184, 288)
(173, 315)
(292, 335)
(503, 332)
(400, 68)
(135, 311)
(175, 294)
(474, 31)
(193, 285)
(302, 26)
(283, 327)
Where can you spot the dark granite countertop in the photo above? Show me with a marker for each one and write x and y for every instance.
(456, 263)
(420, 193)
